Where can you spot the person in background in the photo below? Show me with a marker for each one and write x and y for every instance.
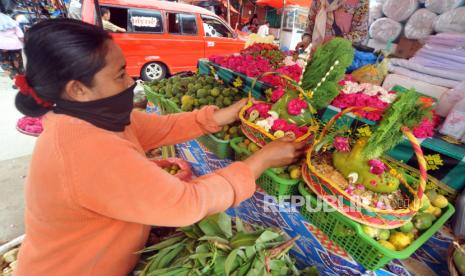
(91, 193)
(264, 29)
(253, 24)
(107, 25)
(11, 45)
(330, 18)
(245, 28)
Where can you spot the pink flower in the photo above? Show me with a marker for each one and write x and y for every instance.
(377, 166)
(277, 94)
(360, 187)
(262, 109)
(341, 144)
(295, 106)
(279, 124)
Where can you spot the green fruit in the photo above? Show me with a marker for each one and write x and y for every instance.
(254, 114)
(233, 130)
(459, 259)
(370, 231)
(227, 101)
(210, 99)
(215, 92)
(203, 101)
(279, 134)
(252, 147)
(235, 90)
(278, 170)
(219, 103)
(285, 176)
(425, 203)
(196, 103)
(202, 93)
(384, 234)
(226, 92)
(406, 228)
(423, 221)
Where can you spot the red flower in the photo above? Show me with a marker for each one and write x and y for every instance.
(277, 94)
(279, 124)
(341, 144)
(377, 166)
(295, 106)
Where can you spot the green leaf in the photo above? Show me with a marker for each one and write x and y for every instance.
(213, 239)
(162, 244)
(239, 225)
(219, 267)
(230, 264)
(268, 236)
(224, 222)
(168, 258)
(209, 227)
(203, 248)
(250, 251)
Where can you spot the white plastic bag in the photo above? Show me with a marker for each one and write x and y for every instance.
(441, 6)
(400, 10)
(376, 11)
(385, 30)
(420, 24)
(452, 21)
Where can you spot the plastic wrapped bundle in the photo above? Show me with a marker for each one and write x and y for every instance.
(385, 30)
(376, 11)
(441, 6)
(452, 21)
(400, 10)
(420, 24)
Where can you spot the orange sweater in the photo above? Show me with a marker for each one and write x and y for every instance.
(91, 193)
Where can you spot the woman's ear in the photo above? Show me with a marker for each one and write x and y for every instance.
(77, 91)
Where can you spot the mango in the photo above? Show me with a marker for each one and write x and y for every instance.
(440, 201)
(400, 240)
(370, 231)
(387, 244)
(384, 234)
(423, 221)
(425, 203)
(406, 228)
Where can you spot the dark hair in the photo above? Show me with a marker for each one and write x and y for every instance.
(58, 51)
(104, 11)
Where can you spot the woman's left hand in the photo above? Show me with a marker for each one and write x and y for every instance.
(229, 114)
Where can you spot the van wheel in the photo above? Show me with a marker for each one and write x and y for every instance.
(153, 71)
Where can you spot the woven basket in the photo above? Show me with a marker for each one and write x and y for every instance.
(259, 135)
(450, 253)
(328, 190)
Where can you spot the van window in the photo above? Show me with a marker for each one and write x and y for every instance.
(145, 21)
(182, 23)
(215, 28)
(118, 16)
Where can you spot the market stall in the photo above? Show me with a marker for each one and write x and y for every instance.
(339, 242)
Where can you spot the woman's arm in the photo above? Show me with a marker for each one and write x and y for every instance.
(359, 29)
(124, 185)
(154, 131)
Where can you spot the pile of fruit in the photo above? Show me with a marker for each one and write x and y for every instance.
(400, 238)
(8, 262)
(268, 51)
(229, 132)
(219, 246)
(189, 93)
(287, 172)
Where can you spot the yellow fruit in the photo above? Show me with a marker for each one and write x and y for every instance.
(226, 137)
(400, 240)
(253, 147)
(425, 203)
(440, 201)
(411, 235)
(387, 244)
(437, 212)
(278, 134)
(295, 173)
(246, 142)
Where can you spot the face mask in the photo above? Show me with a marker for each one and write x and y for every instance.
(112, 113)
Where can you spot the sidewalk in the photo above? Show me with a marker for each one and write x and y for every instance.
(15, 151)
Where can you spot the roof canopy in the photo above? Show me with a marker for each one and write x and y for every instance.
(278, 4)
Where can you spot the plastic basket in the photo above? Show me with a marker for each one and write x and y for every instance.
(268, 181)
(349, 235)
(220, 148)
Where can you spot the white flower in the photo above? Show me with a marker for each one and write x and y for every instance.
(288, 61)
(301, 63)
(266, 123)
(388, 98)
(351, 87)
(352, 177)
(273, 114)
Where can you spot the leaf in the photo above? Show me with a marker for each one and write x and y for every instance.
(213, 239)
(219, 267)
(168, 258)
(209, 227)
(202, 248)
(230, 264)
(268, 236)
(224, 222)
(162, 244)
(250, 251)
(239, 225)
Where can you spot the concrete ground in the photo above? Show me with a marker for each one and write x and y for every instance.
(15, 151)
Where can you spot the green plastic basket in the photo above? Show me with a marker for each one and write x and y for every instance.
(220, 148)
(268, 181)
(349, 235)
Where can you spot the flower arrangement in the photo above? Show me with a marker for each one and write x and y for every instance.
(268, 51)
(245, 64)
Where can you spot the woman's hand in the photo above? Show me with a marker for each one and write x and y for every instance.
(230, 114)
(278, 153)
(303, 44)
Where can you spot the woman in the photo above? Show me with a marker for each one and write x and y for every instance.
(330, 18)
(11, 44)
(91, 194)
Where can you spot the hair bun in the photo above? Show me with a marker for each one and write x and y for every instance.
(28, 106)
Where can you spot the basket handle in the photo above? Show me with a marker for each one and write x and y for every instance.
(412, 139)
